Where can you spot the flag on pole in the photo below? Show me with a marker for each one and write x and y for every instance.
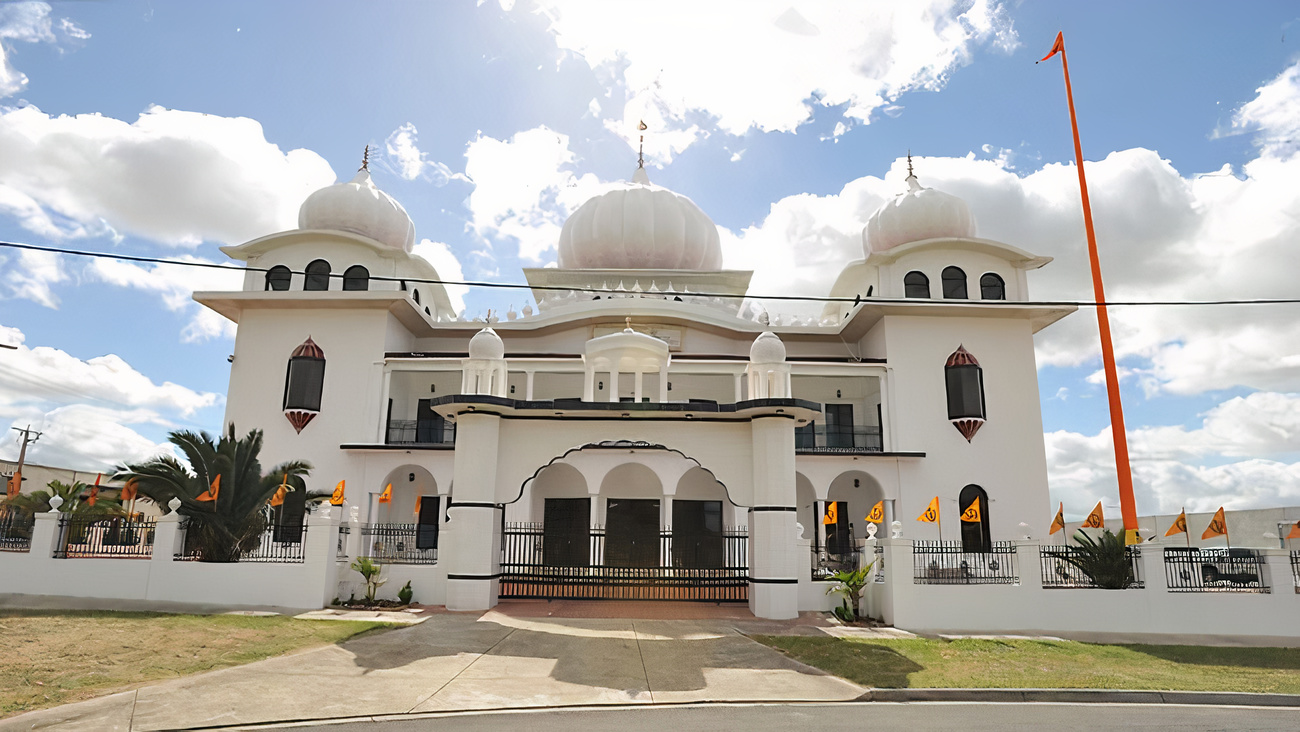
(337, 498)
(94, 490)
(972, 513)
(877, 515)
(387, 495)
(832, 514)
(1295, 531)
(1180, 524)
(1095, 520)
(128, 491)
(1057, 47)
(211, 493)
(278, 498)
(1218, 526)
(931, 514)
(1058, 523)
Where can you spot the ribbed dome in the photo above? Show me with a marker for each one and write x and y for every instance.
(486, 344)
(640, 226)
(767, 348)
(361, 208)
(918, 214)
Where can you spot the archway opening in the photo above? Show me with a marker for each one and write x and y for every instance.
(631, 496)
(975, 535)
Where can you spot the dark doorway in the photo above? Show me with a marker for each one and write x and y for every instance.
(565, 530)
(287, 517)
(426, 526)
(428, 423)
(632, 532)
(975, 535)
(697, 534)
(838, 540)
(839, 425)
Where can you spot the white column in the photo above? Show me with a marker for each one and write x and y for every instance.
(636, 388)
(528, 388)
(663, 385)
(739, 394)
(613, 384)
(775, 559)
(589, 384)
(472, 545)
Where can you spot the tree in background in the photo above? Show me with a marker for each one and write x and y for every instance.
(76, 500)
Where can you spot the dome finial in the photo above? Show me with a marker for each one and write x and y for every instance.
(640, 153)
(912, 183)
(628, 321)
(365, 159)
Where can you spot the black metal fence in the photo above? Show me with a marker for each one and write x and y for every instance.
(944, 563)
(1060, 573)
(1197, 569)
(277, 544)
(836, 439)
(1295, 570)
(341, 548)
(826, 563)
(420, 432)
(100, 537)
(16, 530)
(687, 566)
(400, 543)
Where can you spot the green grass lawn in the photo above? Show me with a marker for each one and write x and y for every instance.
(49, 658)
(994, 664)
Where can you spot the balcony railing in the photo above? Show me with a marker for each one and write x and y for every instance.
(400, 543)
(1059, 572)
(944, 563)
(826, 563)
(16, 530)
(823, 439)
(1217, 569)
(420, 432)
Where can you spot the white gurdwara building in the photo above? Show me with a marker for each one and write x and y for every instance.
(647, 432)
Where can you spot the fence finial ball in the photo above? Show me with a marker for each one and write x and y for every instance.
(55, 502)
(1024, 527)
(174, 504)
(896, 530)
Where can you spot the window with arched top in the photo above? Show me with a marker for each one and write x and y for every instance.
(992, 287)
(916, 284)
(278, 278)
(954, 283)
(318, 276)
(356, 277)
(973, 504)
(415, 295)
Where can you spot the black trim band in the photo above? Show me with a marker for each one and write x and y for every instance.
(771, 581)
(470, 504)
(474, 576)
(757, 509)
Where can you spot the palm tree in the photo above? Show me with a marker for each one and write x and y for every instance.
(224, 529)
(76, 500)
(1106, 561)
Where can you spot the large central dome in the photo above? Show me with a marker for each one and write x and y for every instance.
(638, 225)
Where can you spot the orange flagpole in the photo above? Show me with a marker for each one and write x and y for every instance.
(1127, 504)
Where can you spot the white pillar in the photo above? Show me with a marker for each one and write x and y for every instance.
(613, 384)
(739, 393)
(472, 548)
(528, 389)
(775, 560)
(663, 385)
(589, 384)
(636, 388)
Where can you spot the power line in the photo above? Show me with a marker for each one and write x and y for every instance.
(726, 296)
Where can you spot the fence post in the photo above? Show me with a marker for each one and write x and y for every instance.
(319, 547)
(1153, 569)
(46, 535)
(167, 538)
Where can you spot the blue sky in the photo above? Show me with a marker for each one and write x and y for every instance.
(786, 122)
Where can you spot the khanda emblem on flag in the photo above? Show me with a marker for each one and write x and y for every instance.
(337, 498)
(931, 514)
(1180, 524)
(877, 515)
(1095, 520)
(832, 513)
(972, 513)
(1218, 525)
(1058, 523)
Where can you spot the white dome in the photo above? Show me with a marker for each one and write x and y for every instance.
(767, 348)
(640, 226)
(486, 344)
(918, 214)
(361, 208)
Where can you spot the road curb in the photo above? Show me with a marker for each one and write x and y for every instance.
(1082, 696)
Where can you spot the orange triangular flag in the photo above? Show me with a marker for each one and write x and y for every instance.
(931, 514)
(416, 512)
(128, 491)
(387, 495)
(1218, 525)
(211, 493)
(972, 513)
(15, 485)
(1058, 523)
(337, 498)
(877, 515)
(1095, 520)
(94, 490)
(278, 498)
(1295, 531)
(1057, 47)
(832, 513)
(1180, 524)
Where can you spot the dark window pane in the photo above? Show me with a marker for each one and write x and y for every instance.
(415, 295)
(428, 423)
(954, 283)
(278, 277)
(965, 392)
(805, 437)
(566, 528)
(318, 276)
(697, 534)
(304, 382)
(992, 287)
(839, 425)
(426, 526)
(287, 517)
(916, 284)
(356, 278)
(632, 532)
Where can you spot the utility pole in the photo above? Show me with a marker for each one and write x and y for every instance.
(29, 436)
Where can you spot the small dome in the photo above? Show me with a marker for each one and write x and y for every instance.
(767, 348)
(486, 344)
(918, 214)
(961, 357)
(639, 225)
(308, 349)
(361, 208)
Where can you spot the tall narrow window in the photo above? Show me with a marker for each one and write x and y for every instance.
(278, 277)
(318, 276)
(916, 284)
(975, 535)
(426, 525)
(356, 277)
(287, 518)
(992, 287)
(303, 384)
(954, 283)
(415, 295)
(964, 380)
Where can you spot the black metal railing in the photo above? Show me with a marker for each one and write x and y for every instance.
(823, 439)
(16, 530)
(420, 432)
(944, 563)
(1295, 570)
(100, 537)
(400, 543)
(1059, 572)
(685, 566)
(826, 563)
(879, 568)
(341, 547)
(1217, 569)
(279, 543)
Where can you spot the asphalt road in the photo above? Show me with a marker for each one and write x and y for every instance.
(913, 717)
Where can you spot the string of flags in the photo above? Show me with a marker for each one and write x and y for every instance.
(1218, 525)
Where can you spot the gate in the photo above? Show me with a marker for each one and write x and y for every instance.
(684, 571)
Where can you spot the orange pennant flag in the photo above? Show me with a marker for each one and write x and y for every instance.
(972, 513)
(1218, 525)
(387, 495)
(1095, 520)
(877, 515)
(337, 498)
(1057, 47)
(931, 514)
(128, 491)
(832, 513)
(15, 485)
(416, 512)
(1058, 523)
(278, 498)
(1180, 524)
(1295, 531)
(211, 493)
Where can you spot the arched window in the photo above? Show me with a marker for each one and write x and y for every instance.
(954, 283)
(415, 295)
(992, 287)
(303, 383)
(278, 277)
(916, 284)
(975, 535)
(356, 277)
(964, 380)
(318, 276)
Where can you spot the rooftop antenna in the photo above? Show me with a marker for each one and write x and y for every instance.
(640, 153)
(365, 159)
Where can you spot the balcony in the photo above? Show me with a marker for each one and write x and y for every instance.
(420, 432)
(821, 439)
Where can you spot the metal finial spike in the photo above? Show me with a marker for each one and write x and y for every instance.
(365, 159)
(910, 174)
(640, 153)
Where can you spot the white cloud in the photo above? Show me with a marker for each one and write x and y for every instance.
(441, 257)
(85, 437)
(176, 286)
(766, 64)
(29, 22)
(1274, 114)
(29, 275)
(403, 151)
(171, 176)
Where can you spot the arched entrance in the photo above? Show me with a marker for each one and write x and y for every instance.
(975, 536)
(404, 529)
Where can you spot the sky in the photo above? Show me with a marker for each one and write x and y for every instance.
(169, 129)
